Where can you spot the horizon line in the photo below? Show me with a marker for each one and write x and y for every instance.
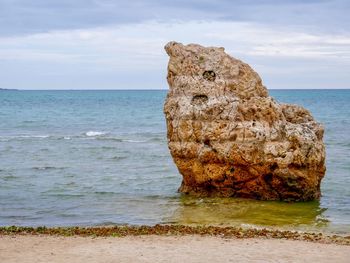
(7, 89)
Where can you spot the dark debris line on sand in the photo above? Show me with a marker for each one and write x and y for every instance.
(175, 230)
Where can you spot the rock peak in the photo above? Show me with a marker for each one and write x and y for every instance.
(228, 137)
(213, 64)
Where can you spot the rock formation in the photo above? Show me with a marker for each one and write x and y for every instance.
(228, 137)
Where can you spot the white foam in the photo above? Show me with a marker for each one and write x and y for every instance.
(94, 133)
(38, 136)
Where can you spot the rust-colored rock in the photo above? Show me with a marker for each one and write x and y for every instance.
(228, 137)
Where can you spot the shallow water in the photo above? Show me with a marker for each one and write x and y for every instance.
(101, 157)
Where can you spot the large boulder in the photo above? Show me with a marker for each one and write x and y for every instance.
(228, 137)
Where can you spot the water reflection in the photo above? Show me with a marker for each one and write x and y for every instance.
(245, 212)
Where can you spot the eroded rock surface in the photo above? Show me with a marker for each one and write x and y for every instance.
(228, 137)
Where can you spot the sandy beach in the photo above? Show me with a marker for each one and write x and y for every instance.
(43, 248)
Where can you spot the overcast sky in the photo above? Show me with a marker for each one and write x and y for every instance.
(108, 44)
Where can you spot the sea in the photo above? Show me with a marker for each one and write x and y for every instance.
(95, 158)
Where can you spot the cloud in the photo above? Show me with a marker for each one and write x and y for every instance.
(132, 55)
(27, 17)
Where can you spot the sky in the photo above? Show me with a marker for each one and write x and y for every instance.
(108, 44)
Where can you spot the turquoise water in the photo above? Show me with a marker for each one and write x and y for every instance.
(101, 157)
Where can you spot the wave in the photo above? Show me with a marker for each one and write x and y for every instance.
(105, 193)
(52, 136)
(134, 141)
(158, 139)
(9, 177)
(94, 133)
(34, 136)
(48, 168)
(119, 157)
(64, 195)
(9, 137)
(116, 139)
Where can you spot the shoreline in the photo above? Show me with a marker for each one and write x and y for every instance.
(175, 230)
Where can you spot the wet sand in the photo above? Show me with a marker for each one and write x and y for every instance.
(153, 248)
